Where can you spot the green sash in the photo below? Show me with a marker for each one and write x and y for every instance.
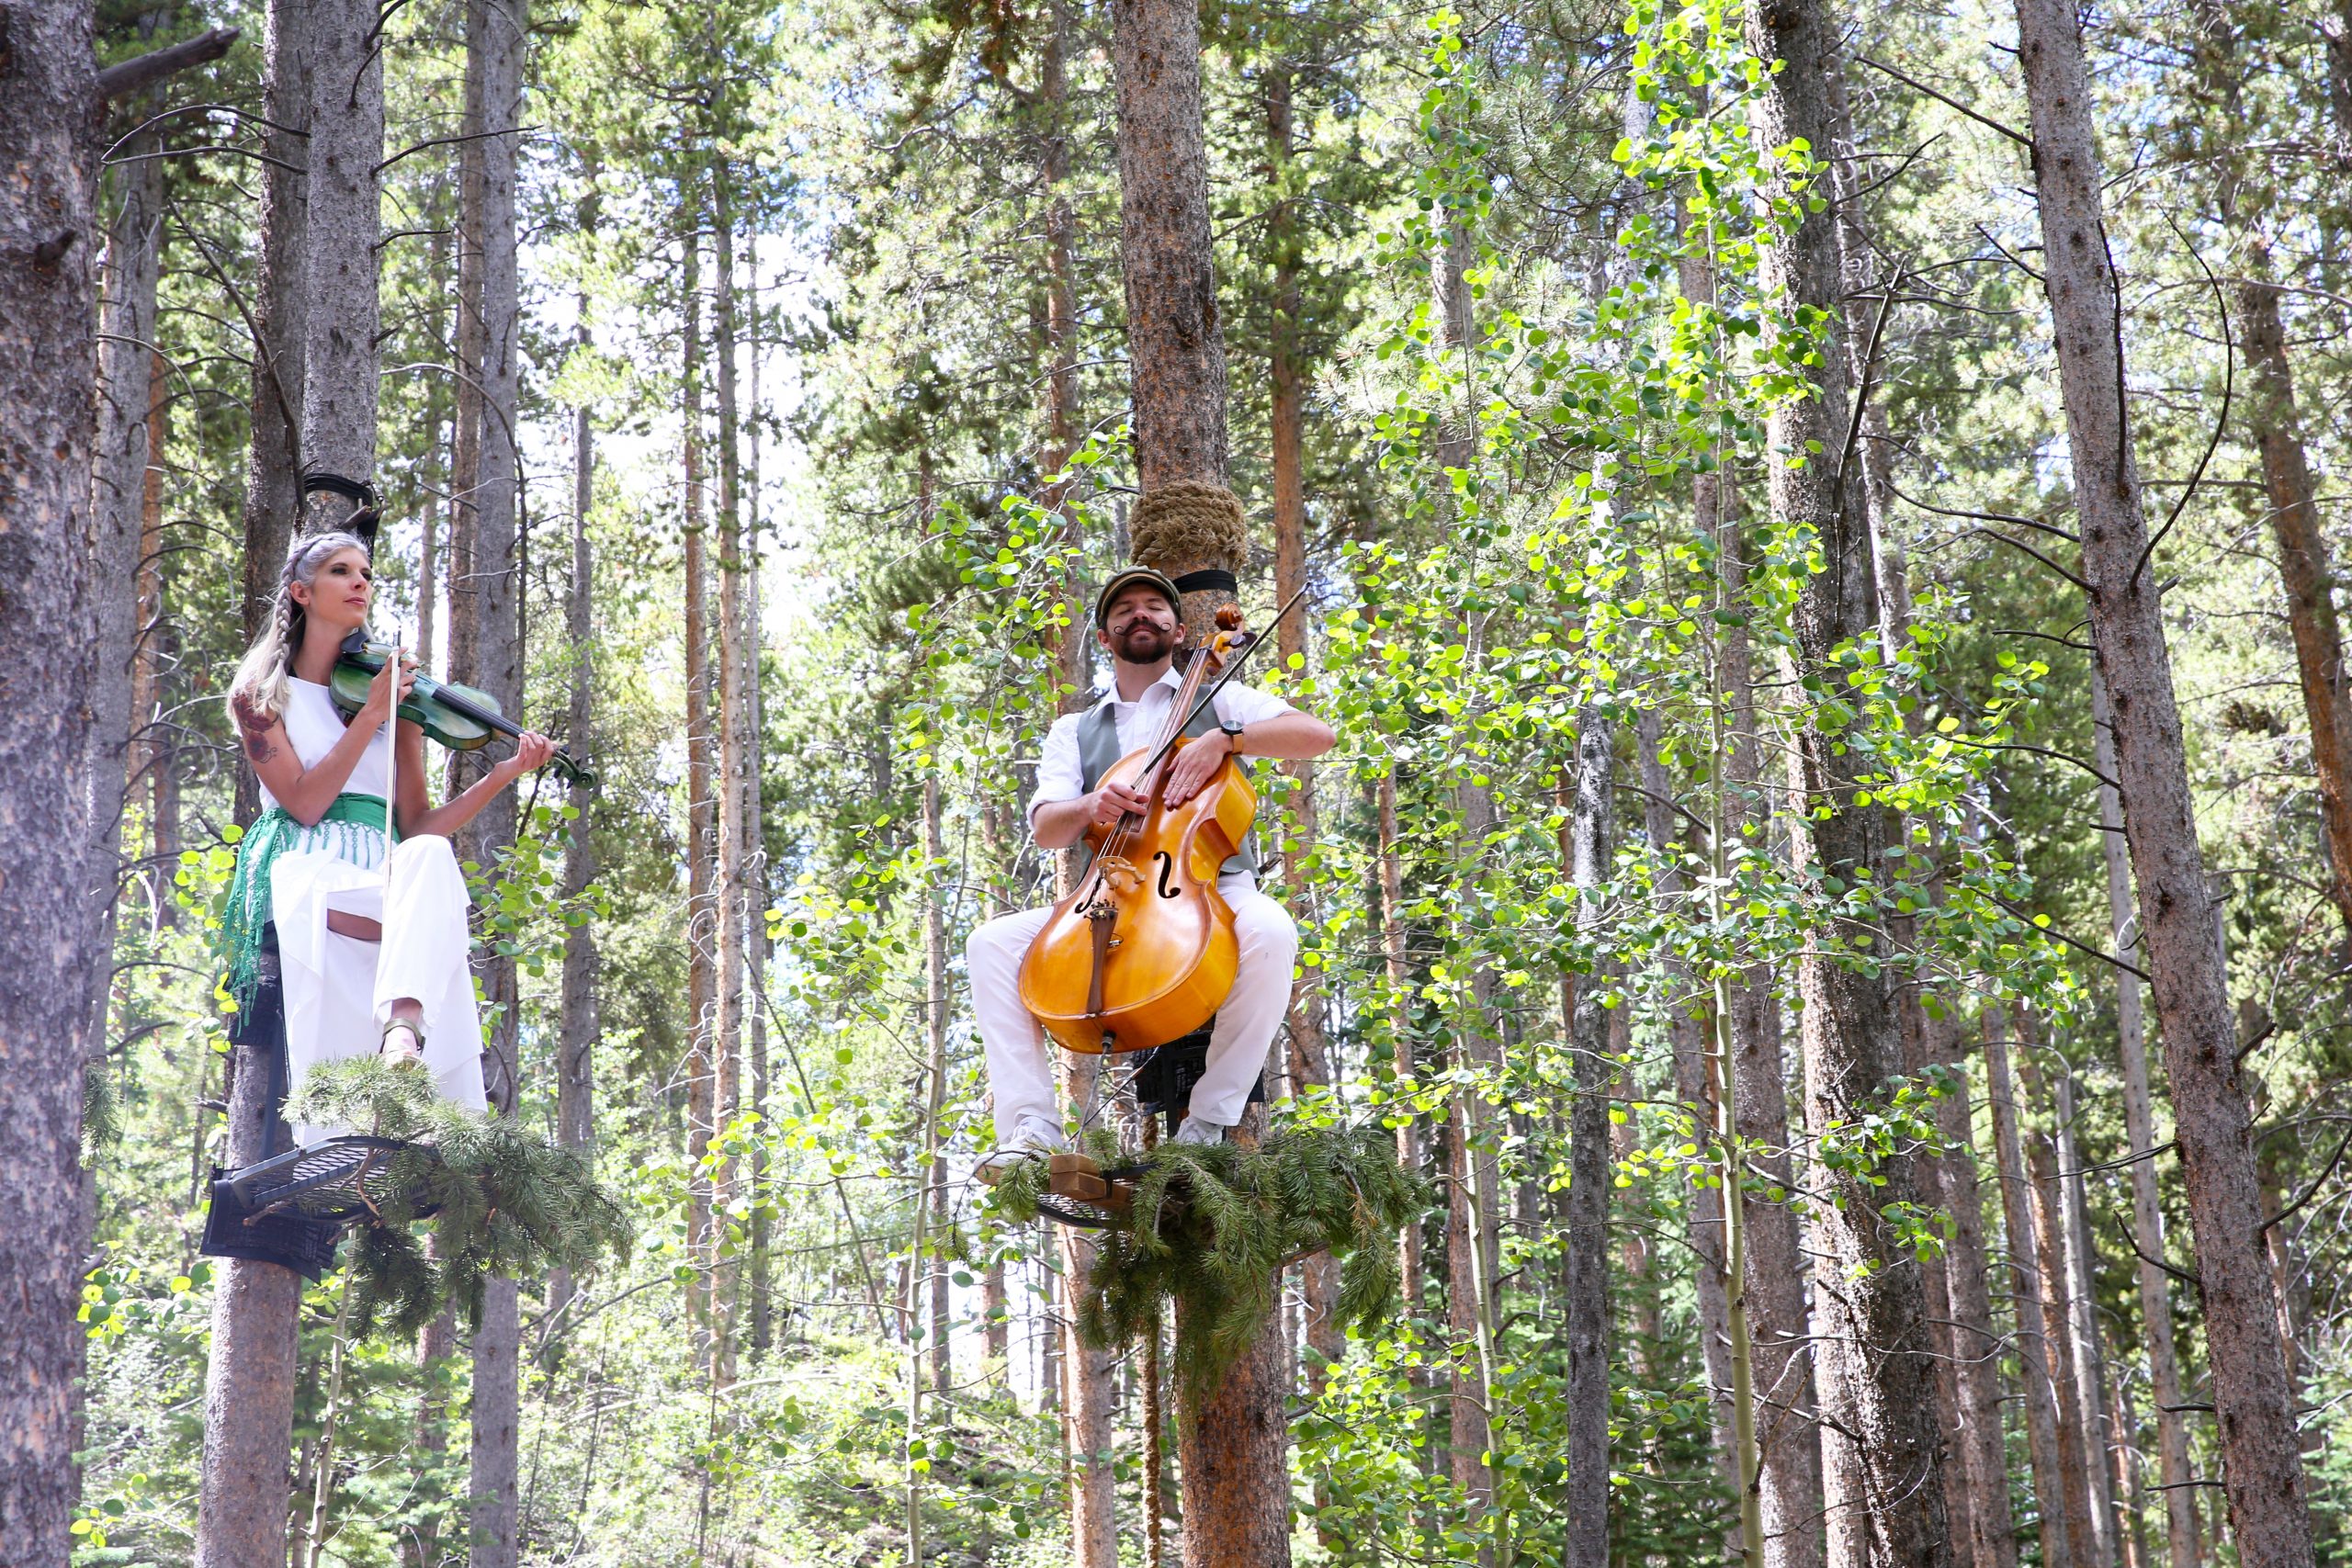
(348, 818)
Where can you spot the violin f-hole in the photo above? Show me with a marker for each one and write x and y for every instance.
(1167, 866)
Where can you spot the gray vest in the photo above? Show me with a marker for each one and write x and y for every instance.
(1098, 753)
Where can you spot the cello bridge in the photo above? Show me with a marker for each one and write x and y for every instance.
(1119, 875)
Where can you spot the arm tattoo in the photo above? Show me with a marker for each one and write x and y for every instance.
(254, 726)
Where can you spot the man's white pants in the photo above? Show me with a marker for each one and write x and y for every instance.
(1018, 1068)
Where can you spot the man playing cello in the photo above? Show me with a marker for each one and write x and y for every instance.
(1138, 619)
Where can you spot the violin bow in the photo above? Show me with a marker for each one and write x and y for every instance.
(1232, 668)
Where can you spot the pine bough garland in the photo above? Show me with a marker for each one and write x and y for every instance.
(511, 1203)
(1211, 1229)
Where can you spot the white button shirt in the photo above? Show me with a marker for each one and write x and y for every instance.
(1062, 776)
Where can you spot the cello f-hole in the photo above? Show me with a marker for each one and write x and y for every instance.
(1167, 866)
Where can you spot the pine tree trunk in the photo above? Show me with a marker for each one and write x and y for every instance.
(496, 51)
(51, 594)
(2304, 567)
(2140, 1130)
(249, 1393)
(1166, 259)
(727, 1090)
(273, 490)
(575, 1109)
(996, 1307)
(2262, 1468)
(1875, 1366)
(1590, 831)
(2033, 1337)
(755, 899)
(1983, 1455)
(1071, 649)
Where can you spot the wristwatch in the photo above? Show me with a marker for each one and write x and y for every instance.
(1233, 736)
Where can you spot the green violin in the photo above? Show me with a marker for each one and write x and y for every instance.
(459, 717)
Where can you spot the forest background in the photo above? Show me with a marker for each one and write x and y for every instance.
(1704, 568)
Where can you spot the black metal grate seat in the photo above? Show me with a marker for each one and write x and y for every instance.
(348, 1178)
(1164, 1077)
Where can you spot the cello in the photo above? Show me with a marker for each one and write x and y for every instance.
(1143, 951)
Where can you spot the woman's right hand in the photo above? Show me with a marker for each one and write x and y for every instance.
(379, 707)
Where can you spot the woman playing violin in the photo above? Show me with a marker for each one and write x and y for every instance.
(372, 944)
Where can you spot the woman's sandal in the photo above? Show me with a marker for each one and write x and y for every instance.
(409, 1056)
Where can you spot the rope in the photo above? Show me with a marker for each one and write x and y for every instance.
(1190, 524)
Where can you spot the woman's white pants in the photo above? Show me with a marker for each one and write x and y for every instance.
(340, 989)
(1020, 1071)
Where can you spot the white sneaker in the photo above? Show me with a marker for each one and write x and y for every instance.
(1195, 1131)
(1037, 1140)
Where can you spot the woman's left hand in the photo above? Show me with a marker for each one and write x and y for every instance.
(532, 752)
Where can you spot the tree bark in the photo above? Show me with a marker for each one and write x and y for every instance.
(1089, 1423)
(2303, 568)
(272, 467)
(50, 596)
(2140, 1130)
(1591, 848)
(1286, 371)
(2102, 1441)
(1876, 1365)
(462, 590)
(1976, 1345)
(1788, 1432)
(733, 929)
(702, 805)
(1167, 258)
(1397, 970)
(2033, 1329)
(2087, 1542)
(1687, 1035)
(2253, 1399)
(575, 1109)
(496, 53)
(936, 1005)
(152, 749)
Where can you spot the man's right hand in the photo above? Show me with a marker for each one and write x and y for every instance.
(1113, 801)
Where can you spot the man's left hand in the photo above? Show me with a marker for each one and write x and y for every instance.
(1196, 763)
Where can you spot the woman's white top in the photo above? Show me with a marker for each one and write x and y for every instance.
(339, 989)
(315, 729)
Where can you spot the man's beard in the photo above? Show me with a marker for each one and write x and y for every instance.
(1155, 644)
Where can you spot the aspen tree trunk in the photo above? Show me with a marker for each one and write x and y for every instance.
(151, 751)
(1976, 1345)
(934, 933)
(1089, 1426)
(1877, 1381)
(1591, 847)
(996, 1307)
(497, 1342)
(1286, 372)
(1687, 1035)
(702, 807)
(2254, 1402)
(575, 1109)
(2303, 566)
(1471, 1178)
(1071, 647)
(1397, 970)
(733, 935)
(126, 391)
(2033, 1337)
(463, 593)
(49, 599)
(2140, 1130)
(755, 901)
(2102, 1440)
(2087, 1544)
